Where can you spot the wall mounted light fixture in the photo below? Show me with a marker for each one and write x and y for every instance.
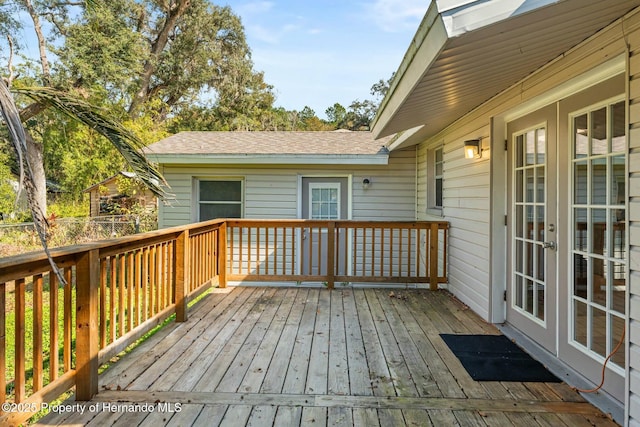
(472, 149)
(366, 183)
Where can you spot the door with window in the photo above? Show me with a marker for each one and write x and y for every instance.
(532, 226)
(323, 198)
(597, 256)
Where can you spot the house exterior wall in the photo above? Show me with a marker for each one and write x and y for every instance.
(271, 191)
(634, 223)
(466, 206)
(474, 195)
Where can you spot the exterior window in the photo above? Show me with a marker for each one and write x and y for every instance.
(435, 162)
(219, 199)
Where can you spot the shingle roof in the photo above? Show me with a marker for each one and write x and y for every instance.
(339, 142)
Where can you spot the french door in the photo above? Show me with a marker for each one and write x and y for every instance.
(567, 265)
(531, 293)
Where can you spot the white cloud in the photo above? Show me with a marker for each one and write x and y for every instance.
(271, 35)
(254, 8)
(396, 15)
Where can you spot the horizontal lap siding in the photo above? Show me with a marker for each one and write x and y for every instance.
(466, 206)
(391, 196)
(271, 192)
(634, 226)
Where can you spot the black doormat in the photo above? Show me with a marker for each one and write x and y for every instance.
(496, 358)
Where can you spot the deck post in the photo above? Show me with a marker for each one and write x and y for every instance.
(433, 257)
(331, 254)
(181, 280)
(87, 283)
(222, 255)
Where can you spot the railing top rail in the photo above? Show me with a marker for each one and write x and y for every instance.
(36, 261)
(236, 222)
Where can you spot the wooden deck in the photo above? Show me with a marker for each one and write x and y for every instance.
(302, 356)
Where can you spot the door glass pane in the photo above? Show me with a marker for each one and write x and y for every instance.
(599, 141)
(540, 188)
(530, 147)
(618, 141)
(541, 148)
(599, 181)
(619, 287)
(580, 322)
(529, 258)
(539, 235)
(519, 186)
(599, 283)
(580, 273)
(519, 143)
(580, 183)
(580, 229)
(540, 301)
(598, 331)
(530, 183)
(617, 187)
(580, 138)
(518, 290)
(530, 222)
(617, 325)
(529, 297)
(598, 229)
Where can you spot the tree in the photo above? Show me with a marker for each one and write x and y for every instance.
(336, 114)
(135, 60)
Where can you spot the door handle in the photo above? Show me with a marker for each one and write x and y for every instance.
(549, 245)
(304, 234)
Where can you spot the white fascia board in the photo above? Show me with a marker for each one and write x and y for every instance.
(423, 51)
(243, 159)
(460, 16)
(405, 139)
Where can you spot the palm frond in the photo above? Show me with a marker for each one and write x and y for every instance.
(127, 143)
(18, 137)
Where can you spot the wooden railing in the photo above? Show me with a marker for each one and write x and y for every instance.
(337, 251)
(54, 335)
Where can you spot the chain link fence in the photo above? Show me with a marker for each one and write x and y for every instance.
(19, 238)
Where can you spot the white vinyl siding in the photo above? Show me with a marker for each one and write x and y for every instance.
(272, 192)
(633, 212)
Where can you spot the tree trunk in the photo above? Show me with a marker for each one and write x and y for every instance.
(34, 157)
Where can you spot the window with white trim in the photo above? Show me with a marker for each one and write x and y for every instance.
(435, 159)
(219, 198)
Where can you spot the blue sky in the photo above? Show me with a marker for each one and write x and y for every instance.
(320, 52)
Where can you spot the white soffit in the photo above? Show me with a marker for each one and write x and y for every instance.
(465, 52)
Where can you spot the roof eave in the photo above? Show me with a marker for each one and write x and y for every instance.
(424, 49)
(271, 159)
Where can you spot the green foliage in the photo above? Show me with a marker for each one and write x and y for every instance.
(7, 193)
(68, 207)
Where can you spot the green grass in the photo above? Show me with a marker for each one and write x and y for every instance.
(46, 328)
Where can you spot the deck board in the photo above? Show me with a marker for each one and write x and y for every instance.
(300, 356)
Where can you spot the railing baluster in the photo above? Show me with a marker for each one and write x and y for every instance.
(122, 286)
(37, 333)
(67, 319)
(131, 317)
(103, 303)
(54, 364)
(19, 340)
(113, 300)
